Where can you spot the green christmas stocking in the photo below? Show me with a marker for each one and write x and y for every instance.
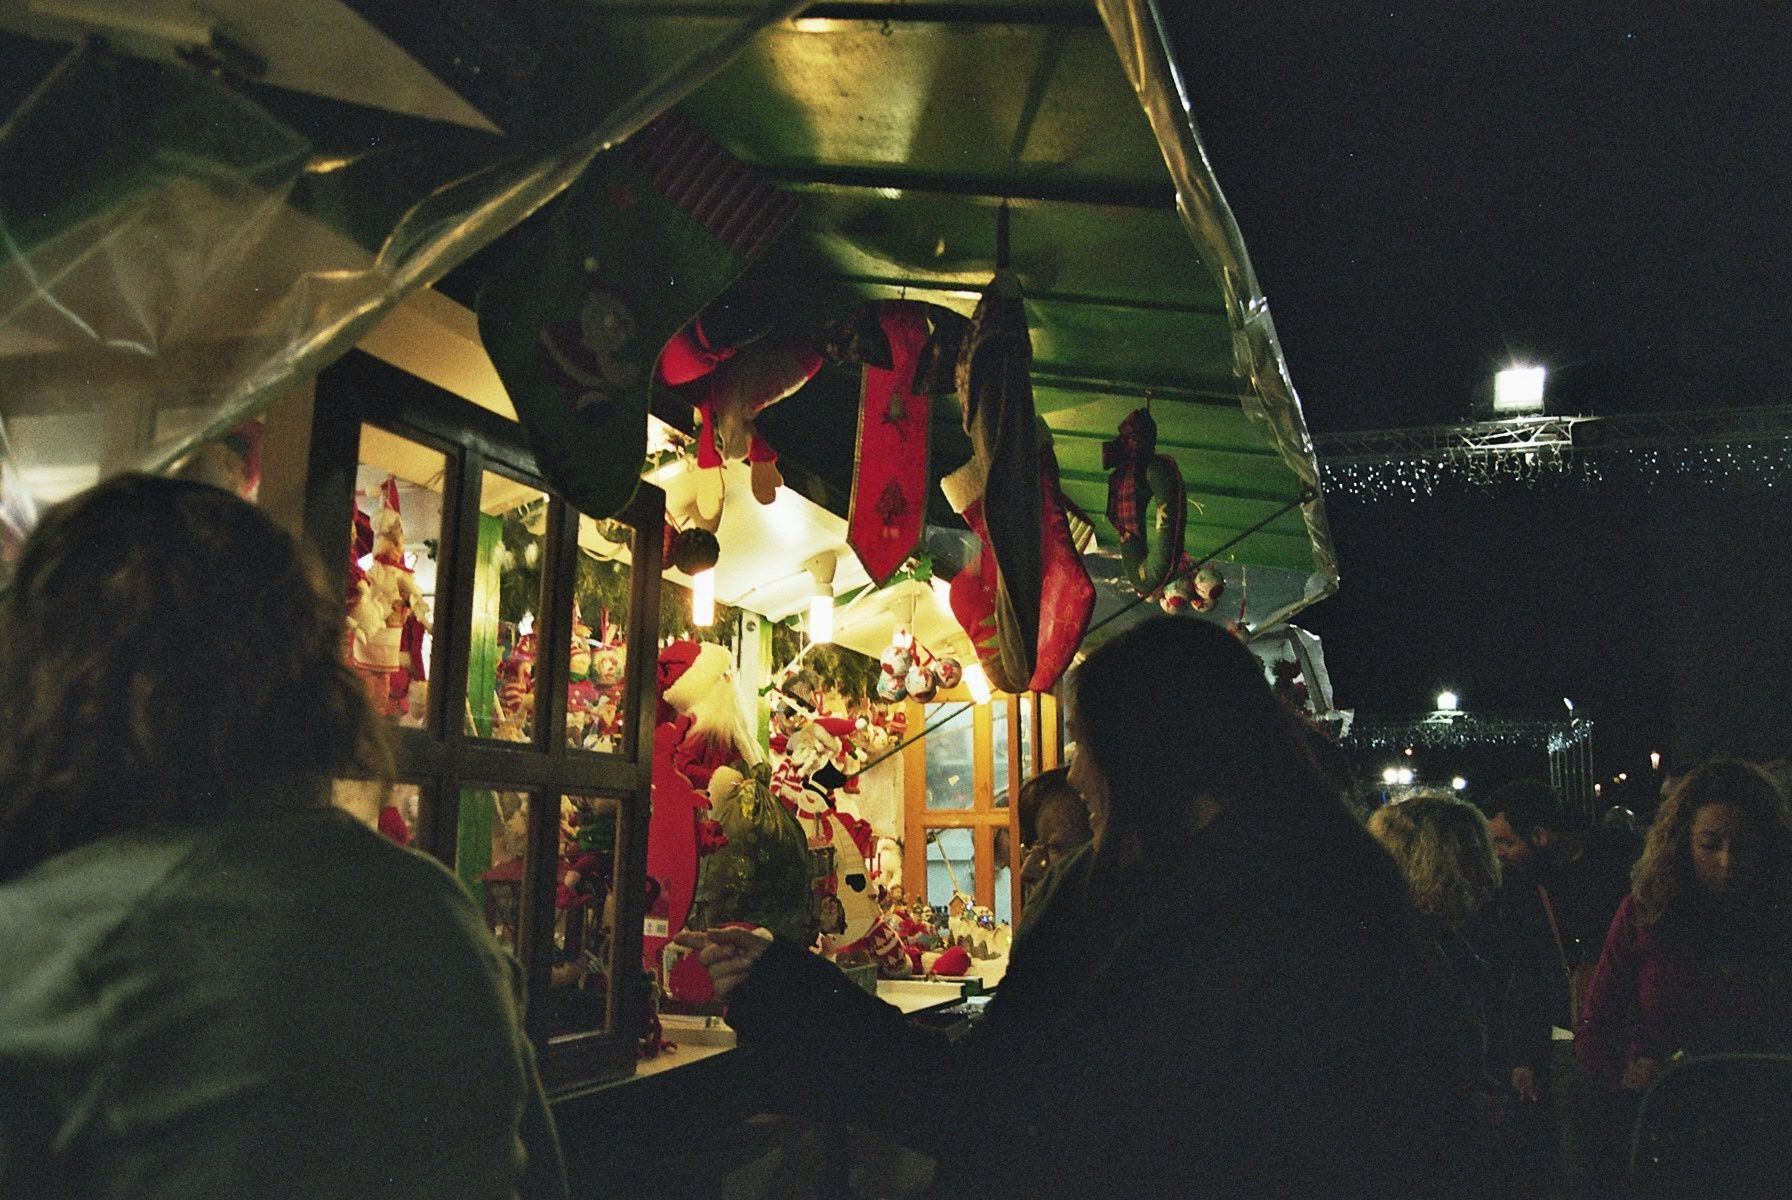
(575, 320)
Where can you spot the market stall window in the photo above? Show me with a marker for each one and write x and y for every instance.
(395, 541)
(507, 602)
(491, 845)
(951, 856)
(951, 757)
(596, 700)
(579, 984)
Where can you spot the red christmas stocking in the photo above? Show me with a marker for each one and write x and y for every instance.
(889, 489)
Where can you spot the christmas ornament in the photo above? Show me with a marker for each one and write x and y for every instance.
(693, 550)
(1147, 504)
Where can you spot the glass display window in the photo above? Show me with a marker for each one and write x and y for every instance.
(581, 979)
(596, 698)
(527, 737)
(395, 539)
(504, 659)
(491, 851)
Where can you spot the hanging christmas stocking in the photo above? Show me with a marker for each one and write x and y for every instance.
(889, 488)
(576, 318)
(996, 391)
(1066, 595)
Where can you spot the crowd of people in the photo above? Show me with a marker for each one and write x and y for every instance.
(1227, 984)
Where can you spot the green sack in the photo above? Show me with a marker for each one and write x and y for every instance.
(762, 875)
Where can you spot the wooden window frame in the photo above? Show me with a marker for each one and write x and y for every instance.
(983, 818)
(443, 758)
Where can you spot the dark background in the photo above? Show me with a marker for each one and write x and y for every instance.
(1429, 191)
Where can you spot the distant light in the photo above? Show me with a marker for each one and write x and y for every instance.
(1568, 704)
(1391, 775)
(1408, 752)
(1623, 775)
(1597, 788)
(703, 598)
(1655, 760)
(1519, 389)
(1458, 783)
(1404, 776)
(978, 683)
(821, 619)
(1447, 701)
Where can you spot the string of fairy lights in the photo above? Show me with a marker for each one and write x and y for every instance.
(1746, 465)
(1459, 730)
(1718, 449)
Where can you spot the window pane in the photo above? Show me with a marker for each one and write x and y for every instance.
(394, 544)
(492, 833)
(395, 812)
(578, 999)
(951, 758)
(1026, 738)
(501, 665)
(595, 701)
(950, 855)
(1004, 895)
(999, 743)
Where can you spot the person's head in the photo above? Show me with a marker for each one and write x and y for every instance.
(164, 646)
(1527, 822)
(1173, 721)
(1444, 850)
(1725, 832)
(1053, 822)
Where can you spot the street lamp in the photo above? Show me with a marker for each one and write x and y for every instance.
(1447, 701)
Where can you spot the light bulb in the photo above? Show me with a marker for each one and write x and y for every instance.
(978, 683)
(703, 598)
(821, 619)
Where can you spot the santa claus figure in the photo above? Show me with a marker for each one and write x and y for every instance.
(702, 727)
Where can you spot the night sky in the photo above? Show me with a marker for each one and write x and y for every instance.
(1430, 190)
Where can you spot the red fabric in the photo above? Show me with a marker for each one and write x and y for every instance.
(889, 492)
(955, 961)
(1066, 594)
(672, 838)
(688, 355)
(393, 826)
(1127, 456)
(1661, 988)
(973, 596)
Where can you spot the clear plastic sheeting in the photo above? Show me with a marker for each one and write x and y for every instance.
(175, 250)
(1137, 30)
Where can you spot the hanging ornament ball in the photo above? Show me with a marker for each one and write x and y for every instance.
(695, 550)
(1178, 597)
(889, 688)
(948, 672)
(919, 683)
(1209, 586)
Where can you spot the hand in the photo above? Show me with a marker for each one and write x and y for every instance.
(1524, 1083)
(727, 954)
(1639, 1073)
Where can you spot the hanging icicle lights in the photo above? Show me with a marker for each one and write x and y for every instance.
(1730, 449)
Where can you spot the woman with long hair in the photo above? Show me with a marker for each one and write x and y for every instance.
(1444, 848)
(1224, 994)
(214, 983)
(1699, 956)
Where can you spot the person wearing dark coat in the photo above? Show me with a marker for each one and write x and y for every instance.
(1224, 994)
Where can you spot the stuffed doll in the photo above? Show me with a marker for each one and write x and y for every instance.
(390, 615)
